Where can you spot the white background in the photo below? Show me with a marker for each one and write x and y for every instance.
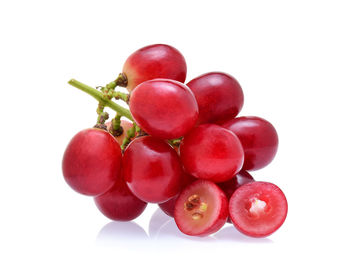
(292, 60)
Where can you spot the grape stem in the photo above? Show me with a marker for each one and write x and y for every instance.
(121, 80)
(122, 96)
(175, 142)
(101, 98)
(129, 135)
(110, 93)
(102, 116)
(116, 129)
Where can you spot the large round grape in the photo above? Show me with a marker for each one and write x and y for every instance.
(91, 162)
(152, 169)
(259, 140)
(164, 108)
(154, 61)
(212, 153)
(219, 96)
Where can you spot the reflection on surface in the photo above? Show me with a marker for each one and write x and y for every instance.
(158, 220)
(162, 228)
(230, 233)
(121, 234)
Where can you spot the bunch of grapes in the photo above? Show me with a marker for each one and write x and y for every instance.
(180, 146)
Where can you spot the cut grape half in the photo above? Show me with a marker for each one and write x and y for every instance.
(258, 209)
(201, 209)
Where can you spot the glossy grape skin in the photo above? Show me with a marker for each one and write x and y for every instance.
(259, 140)
(91, 162)
(230, 186)
(168, 207)
(154, 61)
(119, 203)
(164, 108)
(213, 214)
(253, 219)
(219, 96)
(126, 125)
(152, 169)
(211, 152)
(237, 181)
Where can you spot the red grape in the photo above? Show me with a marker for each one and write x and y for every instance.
(219, 96)
(211, 152)
(154, 61)
(152, 169)
(201, 209)
(259, 140)
(258, 209)
(169, 206)
(231, 185)
(237, 181)
(119, 203)
(91, 162)
(126, 125)
(164, 108)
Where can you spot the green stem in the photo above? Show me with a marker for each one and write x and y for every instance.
(116, 122)
(175, 142)
(120, 95)
(111, 85)
(116, 129)
(129, 135)
(121, 80)
(110, 93)
(101, 99)
(102, 117)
